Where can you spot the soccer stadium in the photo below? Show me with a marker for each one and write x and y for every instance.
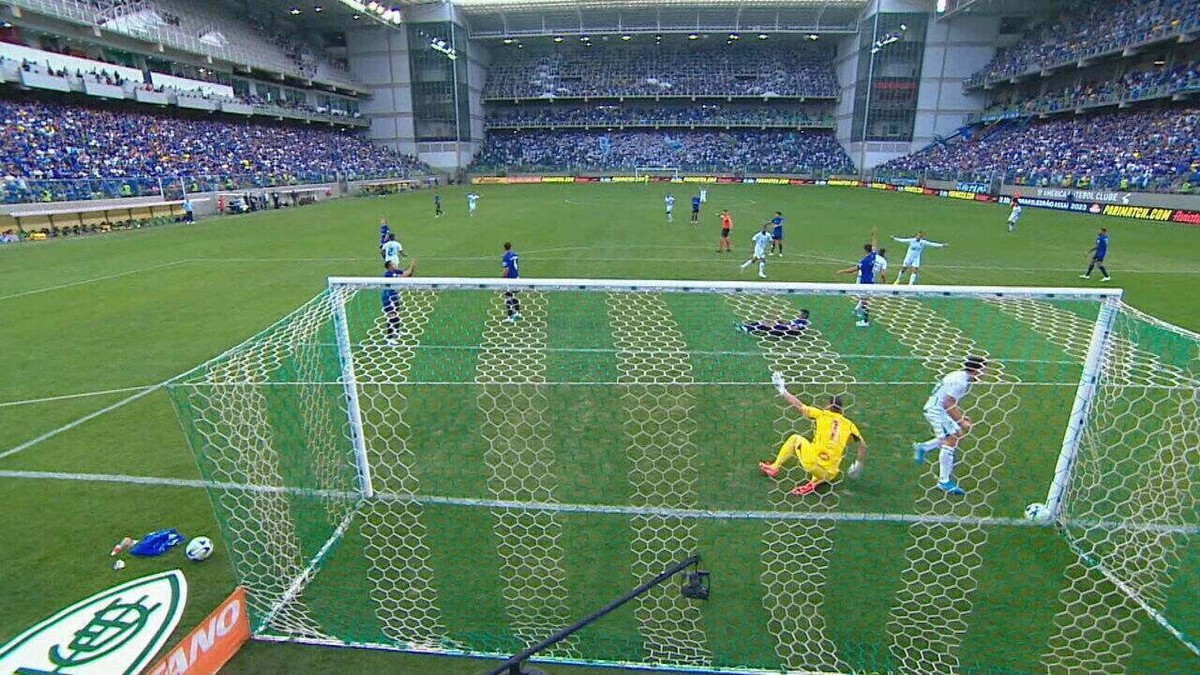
(600, 336)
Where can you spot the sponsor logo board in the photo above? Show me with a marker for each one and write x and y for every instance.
(113, 632)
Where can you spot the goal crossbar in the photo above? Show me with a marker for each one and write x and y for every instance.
(685, 286)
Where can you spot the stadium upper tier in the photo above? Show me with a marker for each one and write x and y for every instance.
(615, 115)
(1149, 149)
(691, 70)
(1135, 85)
(794, 152)
(51, 152)
(1088, 29)
(198, 28)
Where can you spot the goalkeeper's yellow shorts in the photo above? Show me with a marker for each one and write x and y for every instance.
(822, 464)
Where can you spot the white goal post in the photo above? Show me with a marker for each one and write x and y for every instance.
(366, 445)
(645, 173)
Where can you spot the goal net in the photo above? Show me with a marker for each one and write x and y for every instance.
(648, 174)
(445, 476)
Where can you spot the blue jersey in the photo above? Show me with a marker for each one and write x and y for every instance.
(384, 231)
(866, 269)
(390, 297)
(1101, 246)
(696, 203)
(777, 227)
(509, 262)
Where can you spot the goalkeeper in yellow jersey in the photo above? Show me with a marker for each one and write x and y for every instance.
(822, 456)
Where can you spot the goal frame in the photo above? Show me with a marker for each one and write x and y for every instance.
(1085, 392)
(642, 173)
(346, 299)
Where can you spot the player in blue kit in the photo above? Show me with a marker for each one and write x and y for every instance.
(696, 209)
(1099, 251)
(865, 269)
(384, 230)
(777, 234)
(390, 299)
(510, 269)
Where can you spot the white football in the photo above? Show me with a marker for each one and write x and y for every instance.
(1037, 512)
(199, 548)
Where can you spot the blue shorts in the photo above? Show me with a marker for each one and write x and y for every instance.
(777, 233)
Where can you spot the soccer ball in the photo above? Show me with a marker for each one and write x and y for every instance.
(199, 548)
(1038, 513)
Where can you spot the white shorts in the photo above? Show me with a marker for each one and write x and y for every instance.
(394, 261)
(941, 422)
(760, 253)
(912, 261)
(1013, 217)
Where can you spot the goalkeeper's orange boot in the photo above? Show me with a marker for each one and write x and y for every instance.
(766, 468)
(804, 488)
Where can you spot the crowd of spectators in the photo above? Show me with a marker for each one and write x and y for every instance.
(1089, 28)
(808, 151)
(1145, 150)
(54, 151)
(1136, 85)
(659, 71)
(619, 115)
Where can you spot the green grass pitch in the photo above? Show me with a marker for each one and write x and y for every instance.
(86, 324)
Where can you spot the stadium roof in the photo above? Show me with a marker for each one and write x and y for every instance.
(504, 18)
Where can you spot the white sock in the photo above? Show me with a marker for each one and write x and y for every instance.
(946, 464)
(930, 444)
(747, 263)
(762, 268)
(912, 278)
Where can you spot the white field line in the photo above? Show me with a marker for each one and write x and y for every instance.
(627, 383)
(71, 425)
(702, 352)
(604, 509)
(92, 280)
(65, 397)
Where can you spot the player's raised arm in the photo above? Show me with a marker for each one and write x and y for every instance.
(936, 244)
(781, 387)
(904, 240)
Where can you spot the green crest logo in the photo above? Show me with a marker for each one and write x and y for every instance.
(114, 631)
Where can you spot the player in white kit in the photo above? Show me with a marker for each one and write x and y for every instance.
(912, 258)
(943, 411)
(762, 240)
(1014, 215)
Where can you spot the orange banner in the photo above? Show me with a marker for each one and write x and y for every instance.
(211, 644)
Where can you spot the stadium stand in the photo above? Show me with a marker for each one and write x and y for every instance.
(712, 115)
(1153, 149)
(622, 71)
(201, 29)
(56, 150)
(1136, 85)
(1091, 28)
(784, 152)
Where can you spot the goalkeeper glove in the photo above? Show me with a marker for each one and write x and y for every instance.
(855, 469)
(777, 380)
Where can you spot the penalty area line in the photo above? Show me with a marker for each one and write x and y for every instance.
(603, 509)
(82, 282)
(67, 397)
(86, 418)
